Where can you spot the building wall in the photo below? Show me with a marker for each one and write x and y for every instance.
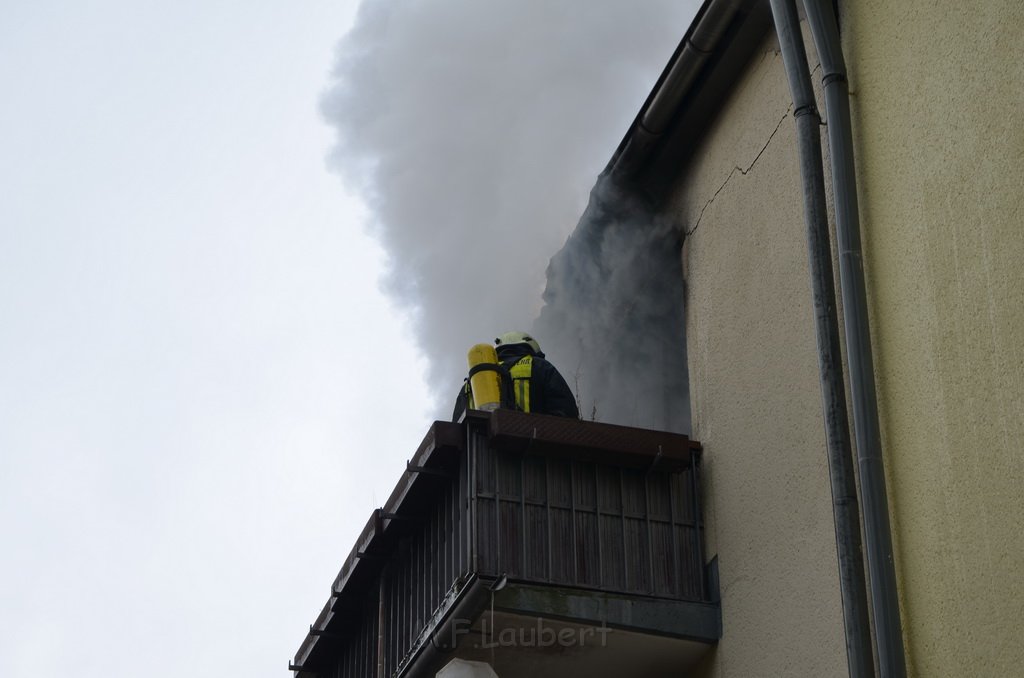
(939, 128)
(938, 108)
(754, 386)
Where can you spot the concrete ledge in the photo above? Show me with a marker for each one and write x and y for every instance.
(701, 622)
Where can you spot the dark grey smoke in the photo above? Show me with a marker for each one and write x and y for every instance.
(475, 130)
(614, 301)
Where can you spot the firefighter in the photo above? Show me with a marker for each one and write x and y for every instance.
(530, 382)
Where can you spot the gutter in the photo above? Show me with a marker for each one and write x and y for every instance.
(436, 647)
(676, 81)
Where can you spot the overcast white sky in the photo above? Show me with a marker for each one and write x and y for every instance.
(203, 392)
(191, 339)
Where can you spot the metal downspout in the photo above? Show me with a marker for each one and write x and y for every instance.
(877, 533)
(833, 396)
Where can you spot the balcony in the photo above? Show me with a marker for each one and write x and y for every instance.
(544, 546)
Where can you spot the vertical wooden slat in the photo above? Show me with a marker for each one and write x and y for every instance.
(698, 538)
(572, 520)
(678, 587)
(622, 527)
(549, 570)
(523, 524)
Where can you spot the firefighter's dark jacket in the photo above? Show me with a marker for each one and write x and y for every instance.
(549, 394)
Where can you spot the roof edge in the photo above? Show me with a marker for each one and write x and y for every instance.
(675, 86)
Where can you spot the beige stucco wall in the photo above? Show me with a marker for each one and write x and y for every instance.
(756, 404)
(939, 130)
(938, 104)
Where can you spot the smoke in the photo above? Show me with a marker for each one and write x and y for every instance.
(474, 131)
(614, 301)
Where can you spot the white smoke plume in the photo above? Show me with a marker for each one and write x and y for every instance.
(474, 131)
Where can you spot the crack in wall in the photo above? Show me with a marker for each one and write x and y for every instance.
(739, 169)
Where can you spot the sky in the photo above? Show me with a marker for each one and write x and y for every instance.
(243, 249)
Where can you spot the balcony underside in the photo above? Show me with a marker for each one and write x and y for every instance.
(525, 631)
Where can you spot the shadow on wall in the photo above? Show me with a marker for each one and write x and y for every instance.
(613, 319)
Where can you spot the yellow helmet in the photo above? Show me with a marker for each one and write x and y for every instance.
(510, 338)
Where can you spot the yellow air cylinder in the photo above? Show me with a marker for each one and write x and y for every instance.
(483, 377)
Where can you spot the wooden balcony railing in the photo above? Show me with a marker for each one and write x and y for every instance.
(543, 517)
